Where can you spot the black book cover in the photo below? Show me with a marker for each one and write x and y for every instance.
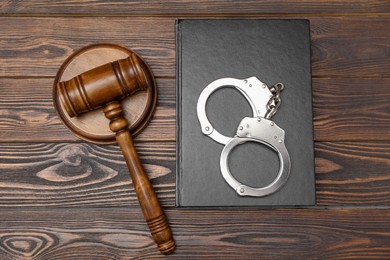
(271, 50)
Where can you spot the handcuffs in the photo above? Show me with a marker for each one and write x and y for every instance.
(264, 102)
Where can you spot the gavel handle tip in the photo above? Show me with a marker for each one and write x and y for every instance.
(167, 248)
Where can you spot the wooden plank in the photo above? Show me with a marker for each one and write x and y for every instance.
(36, 46)
(344, 109)
(351, 109)
(154, 7)
(78, 174)
(353, 173)
(82, 175)
(94, 233)
(350, 46)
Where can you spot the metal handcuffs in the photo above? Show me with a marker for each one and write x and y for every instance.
(264, 102)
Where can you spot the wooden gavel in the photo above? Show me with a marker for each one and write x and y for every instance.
(105, 86)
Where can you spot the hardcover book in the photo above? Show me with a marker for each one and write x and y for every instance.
(238, 54)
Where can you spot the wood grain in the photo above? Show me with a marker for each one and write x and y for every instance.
(350, 46)
(351, 109)
(153, 7)
(37, 46)
(80, 175)
(77, 175)
(234, 234)
(349, 173)
(344, 109)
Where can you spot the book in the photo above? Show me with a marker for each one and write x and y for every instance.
(272, 51)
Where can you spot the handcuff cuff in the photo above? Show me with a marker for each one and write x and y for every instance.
(264, 102)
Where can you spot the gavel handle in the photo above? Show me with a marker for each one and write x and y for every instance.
(147, 198)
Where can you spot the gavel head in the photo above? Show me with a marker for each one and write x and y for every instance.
(110, 82)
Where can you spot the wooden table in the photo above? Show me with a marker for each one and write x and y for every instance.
(61, 198)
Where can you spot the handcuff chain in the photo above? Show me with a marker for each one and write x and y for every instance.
(274, 102)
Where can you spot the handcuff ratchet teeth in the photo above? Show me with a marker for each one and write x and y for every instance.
(264, 103)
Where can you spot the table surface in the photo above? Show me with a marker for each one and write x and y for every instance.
(62, 198)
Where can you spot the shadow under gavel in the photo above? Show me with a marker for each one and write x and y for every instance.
(105, 86)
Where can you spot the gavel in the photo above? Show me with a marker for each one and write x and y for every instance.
(104, 87)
